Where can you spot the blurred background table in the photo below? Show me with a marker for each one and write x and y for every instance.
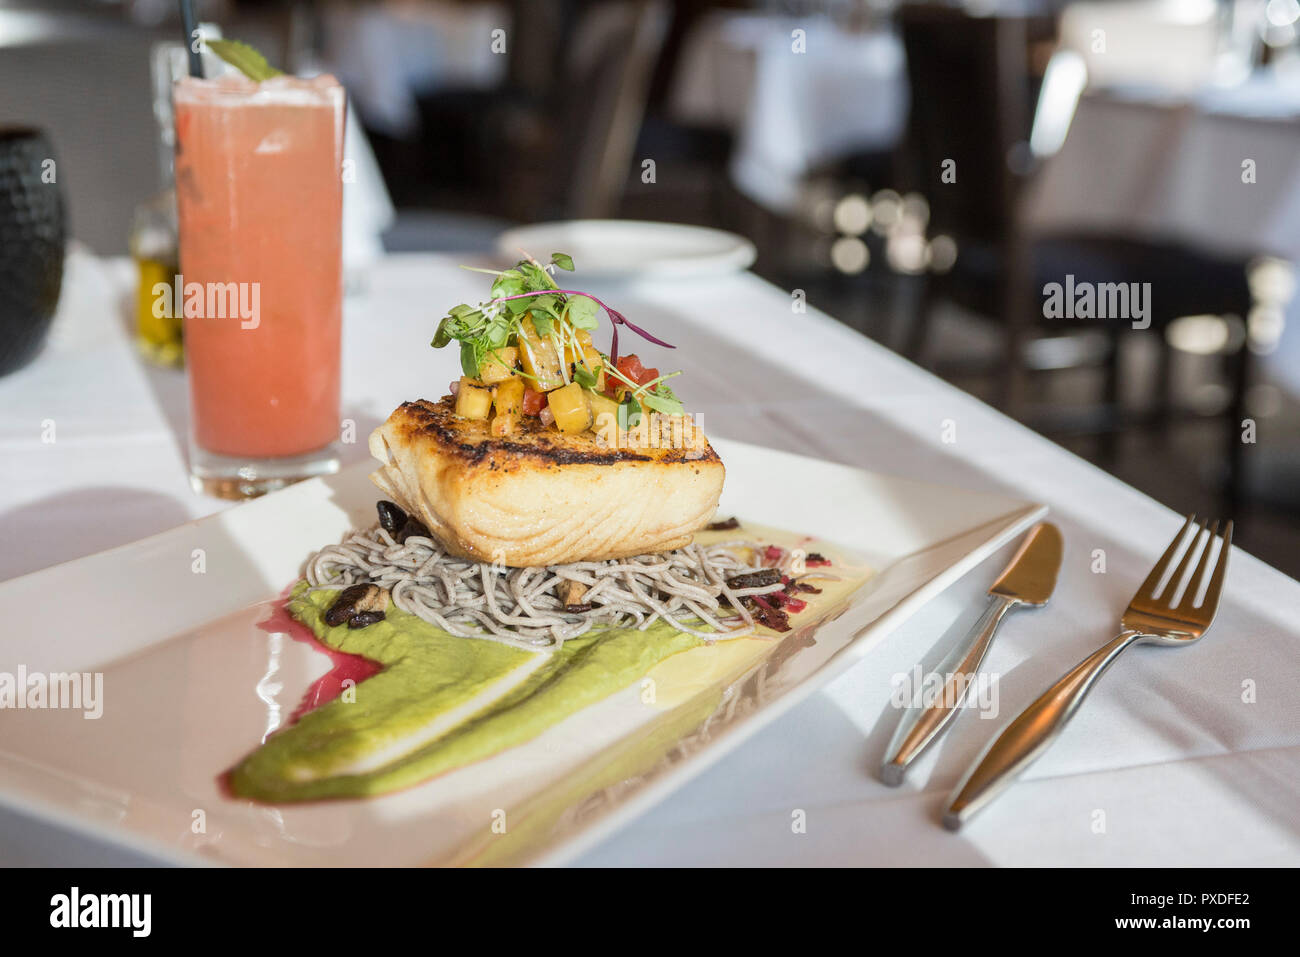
(791, 112)
(1144, 162)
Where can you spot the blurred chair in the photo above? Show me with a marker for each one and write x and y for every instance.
(567, 156)
(613, 54)
(970, 107)
(969, 110)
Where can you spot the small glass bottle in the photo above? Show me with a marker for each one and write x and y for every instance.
(154, 247)
(154, 240)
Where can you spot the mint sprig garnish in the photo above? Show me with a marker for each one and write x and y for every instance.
(244, 58)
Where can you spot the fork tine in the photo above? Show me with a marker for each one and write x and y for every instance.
(1193, 552)
(1188, 601)
(1148, 589)
(1211, 602)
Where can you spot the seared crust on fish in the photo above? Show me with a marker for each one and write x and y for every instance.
(540, 496)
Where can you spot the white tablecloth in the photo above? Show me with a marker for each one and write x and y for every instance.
(384, 51)
(791, 109)
(1169, 166)
(1168, 763)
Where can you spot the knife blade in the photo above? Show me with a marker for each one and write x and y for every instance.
(1028, 581)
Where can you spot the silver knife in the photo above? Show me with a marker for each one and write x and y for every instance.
(1027, 581)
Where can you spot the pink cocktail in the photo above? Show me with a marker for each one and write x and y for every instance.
(260, 199)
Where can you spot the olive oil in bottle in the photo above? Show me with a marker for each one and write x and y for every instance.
(154, 248)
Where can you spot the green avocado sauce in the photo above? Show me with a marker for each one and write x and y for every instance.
(439, 703)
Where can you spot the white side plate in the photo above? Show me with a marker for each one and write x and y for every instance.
(626, 249)
(191, 684)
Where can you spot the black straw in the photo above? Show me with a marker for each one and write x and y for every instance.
(191, 37)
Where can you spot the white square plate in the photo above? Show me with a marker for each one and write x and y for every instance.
(191, 684)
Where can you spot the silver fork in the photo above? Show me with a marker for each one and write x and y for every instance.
(1152, 616)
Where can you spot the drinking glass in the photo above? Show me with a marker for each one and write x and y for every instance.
(260, 200)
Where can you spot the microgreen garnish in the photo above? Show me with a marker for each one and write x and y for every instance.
(629, 414)
(585, 377)
(662, 399)
(244, 58)
(528, 291)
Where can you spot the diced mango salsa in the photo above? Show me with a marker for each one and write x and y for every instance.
(593, 362)
(498, 365)
(508, 397)
(584, 345)
(539, 357)
(571, 408)
(473, 401)
(603, 405)
(503, 424)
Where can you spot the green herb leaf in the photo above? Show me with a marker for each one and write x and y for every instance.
(244, 58)
(443, 336)
(469, 358)
(563, 260)
(535, 277)
(629, 414)
(509, 283)
(667, 404)
(584, 376)
(581, 312)
(548, 304)
(543, 323)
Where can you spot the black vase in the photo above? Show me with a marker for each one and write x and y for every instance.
(31, 244)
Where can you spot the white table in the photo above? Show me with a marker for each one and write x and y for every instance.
(384, 52)
(845, 91)
(1163, 165)
(1166, 757)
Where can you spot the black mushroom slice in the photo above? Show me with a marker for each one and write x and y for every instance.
(363, 618)
(354, 600)
(724, 525)
(759, 579)
(391, 517)
(412, 528)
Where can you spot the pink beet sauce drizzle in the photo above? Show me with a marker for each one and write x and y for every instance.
(329, 685)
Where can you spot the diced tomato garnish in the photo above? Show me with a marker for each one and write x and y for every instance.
(631, 367)
(534, 401)
(773, 553)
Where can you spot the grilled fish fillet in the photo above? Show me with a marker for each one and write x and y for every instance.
(539, 496)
